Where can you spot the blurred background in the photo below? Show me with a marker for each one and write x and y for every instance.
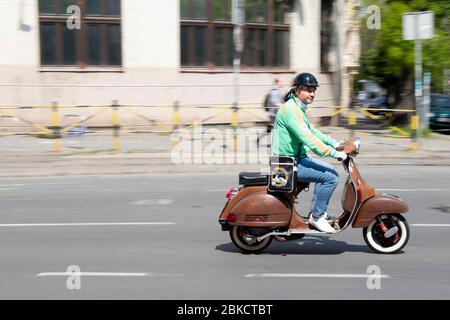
(67, 66)
(93, 93)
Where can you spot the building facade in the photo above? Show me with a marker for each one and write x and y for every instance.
(157, 53)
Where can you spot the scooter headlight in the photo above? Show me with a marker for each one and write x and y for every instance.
(357, 143)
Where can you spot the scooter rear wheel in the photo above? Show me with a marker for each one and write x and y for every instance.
(237, 234)
(374, 237)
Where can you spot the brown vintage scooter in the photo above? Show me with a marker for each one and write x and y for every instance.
(254, 216)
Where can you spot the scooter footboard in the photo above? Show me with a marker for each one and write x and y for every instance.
(378, 204)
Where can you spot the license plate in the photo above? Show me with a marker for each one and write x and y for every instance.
(442, 119)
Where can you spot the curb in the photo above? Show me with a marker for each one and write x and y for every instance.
(162, 166)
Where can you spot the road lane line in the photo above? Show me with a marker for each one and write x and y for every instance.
(11, 185)
(405, 190)
(312, 275)
(154, 202)
(93, 274)
(429, 225)
(411, 190)
(105, 274)
(85, 224)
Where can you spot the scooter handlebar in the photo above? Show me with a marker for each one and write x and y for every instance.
(350, 146)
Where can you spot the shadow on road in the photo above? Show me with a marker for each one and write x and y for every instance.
(442, 208)
(308, 245)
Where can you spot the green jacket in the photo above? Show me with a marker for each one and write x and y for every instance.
(294, 135)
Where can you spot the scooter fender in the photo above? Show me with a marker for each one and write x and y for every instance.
(262, 209)
(378, 204)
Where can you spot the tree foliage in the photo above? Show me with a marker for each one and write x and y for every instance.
(389, 59)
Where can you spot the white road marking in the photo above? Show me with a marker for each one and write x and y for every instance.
(154, 202)
(405, 190)
(411, 190)
(54, 183)
(10, 185)
(400, 163)
(105, 274)
(429, 225)
(312, 275)
(6, 189)
(86, 224)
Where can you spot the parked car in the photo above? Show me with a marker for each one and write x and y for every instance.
(379, 102)
(440, 112)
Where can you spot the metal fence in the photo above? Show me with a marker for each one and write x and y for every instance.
(78, 123)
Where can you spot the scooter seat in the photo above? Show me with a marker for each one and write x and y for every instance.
(253, 179)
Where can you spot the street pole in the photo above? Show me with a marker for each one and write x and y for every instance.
(418, 73)
(238, 21)
(235, 108)
(341, 44)
(418, 26)
(426, 99)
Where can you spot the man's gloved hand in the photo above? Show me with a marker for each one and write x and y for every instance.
(339, 146)
(341, 156)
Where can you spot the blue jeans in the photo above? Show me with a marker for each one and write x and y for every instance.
(326, 180)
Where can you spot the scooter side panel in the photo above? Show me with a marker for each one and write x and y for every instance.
(262, 209)
(244, 192)
(379, 204)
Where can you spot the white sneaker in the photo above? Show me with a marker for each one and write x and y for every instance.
(321, 224)
(330, 219)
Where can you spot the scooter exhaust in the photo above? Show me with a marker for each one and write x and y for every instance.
(274, 233)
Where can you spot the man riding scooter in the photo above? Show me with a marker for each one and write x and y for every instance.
(263, 208)
(294, 136)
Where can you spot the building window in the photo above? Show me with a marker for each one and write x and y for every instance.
(207, 34)
(96, 43)
(326, 29)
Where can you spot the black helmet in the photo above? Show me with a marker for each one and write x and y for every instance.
(306, 79)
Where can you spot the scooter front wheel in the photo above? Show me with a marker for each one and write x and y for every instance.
(375, 237)
(246, 241)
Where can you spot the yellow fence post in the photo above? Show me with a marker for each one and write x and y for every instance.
(56, 127)
(116, 126)
(351, 118)
(234, 124)
(176, 121)
(414, 132)
(352, 121)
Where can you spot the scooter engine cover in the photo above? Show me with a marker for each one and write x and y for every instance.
(262, 209)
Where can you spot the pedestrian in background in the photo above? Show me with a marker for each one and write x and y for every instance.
(275, 100)
(272, 102)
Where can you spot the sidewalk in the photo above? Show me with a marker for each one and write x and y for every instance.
(23, 156)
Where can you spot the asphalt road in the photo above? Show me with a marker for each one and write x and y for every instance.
(157, 237)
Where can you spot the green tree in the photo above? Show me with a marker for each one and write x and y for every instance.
(389, 59)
